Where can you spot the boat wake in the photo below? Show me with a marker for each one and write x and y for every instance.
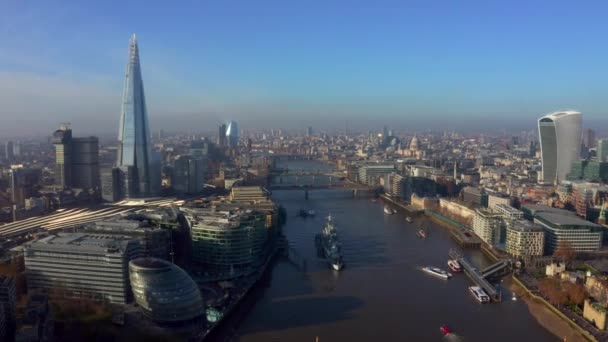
(451, 337)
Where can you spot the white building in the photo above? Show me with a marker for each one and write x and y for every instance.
(560, 144)
(487, 225)
(524, 238)
(508, 212)
(495, 199)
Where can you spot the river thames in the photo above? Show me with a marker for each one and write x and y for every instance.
(381, 295)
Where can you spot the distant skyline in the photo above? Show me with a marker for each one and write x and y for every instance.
(468, 65)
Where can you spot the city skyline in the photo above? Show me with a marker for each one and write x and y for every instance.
(410, 66)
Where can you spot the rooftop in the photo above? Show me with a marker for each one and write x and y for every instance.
(81, 242)
(565, 221)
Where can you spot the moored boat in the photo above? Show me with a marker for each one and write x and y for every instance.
(388, 211)
(437, 272)
(422, 233)
(409, 219)
(329, 246)
(454, 265)
(479, 294)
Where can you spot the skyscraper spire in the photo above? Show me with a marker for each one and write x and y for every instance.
(134, 152)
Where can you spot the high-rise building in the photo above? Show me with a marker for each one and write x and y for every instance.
(232, 134)
(602, 150)
(62, 139)
(111, 188)
(221, 137)
(560, 144)
(188, 174)
(76, 159)
(589, 138)
(134, 150)
(309, 131)
(8, 151)
(22, 182)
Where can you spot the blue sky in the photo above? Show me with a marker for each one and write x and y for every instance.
(408, 64)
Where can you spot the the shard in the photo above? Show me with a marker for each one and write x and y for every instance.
(134, 150)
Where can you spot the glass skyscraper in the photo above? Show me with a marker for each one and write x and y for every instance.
(560, 144)
(134, 150)
(232, 134)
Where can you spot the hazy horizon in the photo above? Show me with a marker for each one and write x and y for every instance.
(474, 66)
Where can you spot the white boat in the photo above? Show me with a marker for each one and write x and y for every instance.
(388, 211)
(437, 272)
(454, 265)
(479, 294)
(409, 219)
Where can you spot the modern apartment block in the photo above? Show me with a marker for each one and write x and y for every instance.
(524, 238)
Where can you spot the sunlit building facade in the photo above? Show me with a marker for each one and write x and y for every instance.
(232, 134)
(134, 150)
(560, 144)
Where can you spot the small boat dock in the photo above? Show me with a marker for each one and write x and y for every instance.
(480, 277)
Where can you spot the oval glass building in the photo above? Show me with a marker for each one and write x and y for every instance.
(164, 291)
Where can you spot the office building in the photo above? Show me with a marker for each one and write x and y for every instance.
(76, 159)
(155, 242)
(134, 149)
(92, 266)
(589, 138)
(371, 174)
(188, 174)
(227, 240)
(309, 131)
(495, 199)
(22, 183)
(221, 137)
(524, 238)
(583, 236)
(248, 194)
(475, 196)
(8, 298)
(560, 144)
(164, 292)
(111, 187)
(8, 152)
(589, 170)
(602, 150)
(232, 134)
(488, 226)
(508, 212)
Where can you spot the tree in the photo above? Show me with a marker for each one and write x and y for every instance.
(576, 293)
(565, 251)
(552, 289)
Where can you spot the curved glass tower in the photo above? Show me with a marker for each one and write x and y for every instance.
(560, 144)
(232, 134)
(134, 150)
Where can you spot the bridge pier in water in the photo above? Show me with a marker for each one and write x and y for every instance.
(306, 194)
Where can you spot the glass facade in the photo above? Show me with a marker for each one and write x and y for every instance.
(134, 133)
(165, 292)
(560, 144)
(232, 134)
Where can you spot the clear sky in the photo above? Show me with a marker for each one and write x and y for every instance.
(406, 64)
